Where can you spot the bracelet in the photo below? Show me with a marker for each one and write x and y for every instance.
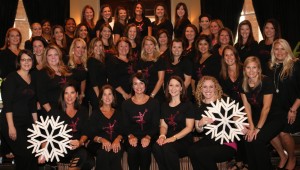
(293, 111)
(164, 136)
(98, 139)
(175, 137)
(152, 95)
(257, 128)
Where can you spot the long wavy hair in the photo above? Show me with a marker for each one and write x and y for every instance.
(156, 53)
(83, 58)
(83, 20)
(224, 67)
(6, 43)
(250, 39)
(91, 50)
(178, 21)
(165, 17)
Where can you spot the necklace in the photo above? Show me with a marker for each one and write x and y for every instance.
(276, 84)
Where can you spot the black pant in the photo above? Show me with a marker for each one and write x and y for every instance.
(205, 154)
(257, 151)
(139, 157)
(108, 160)
(167, 156)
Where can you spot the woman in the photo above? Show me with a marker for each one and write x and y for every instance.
(206, 62)
(87, 18)
(204, 24)
(246, 45)
(179, 66)
(264, 121)
(70, 26)
(141, 121)
(105, 17)
(10, 51)
(161, 20)
(271, 32)
(106, 128)
(153, 66)
(189, 38)
(142, 22)
(121, 17)
(231, 78)
(39, 45)
(106, 36)
(46, 30)
(176, 125)
(51, 79)
(120, 68)
(163, 40)
(78, 65)
(225, 37)
(19, 110)
(181, 19)
(132, 33)
(286, 77)
(59, 39)
(76, 118)
(97, 74)
(81, 31)
(215, 26)
(206, 153)
(36, 30)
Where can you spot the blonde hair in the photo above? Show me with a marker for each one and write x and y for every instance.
(288, 62)
(62, 68)
(156, 52)
(248, 60)
(198, 93)
(91, 49)
(83, 59)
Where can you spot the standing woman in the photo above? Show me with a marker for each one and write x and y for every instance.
(36, 30)
(206, 153)
(70, 26)
(215, 26)
(189, 38)
(225, 37)
(161, 20)
(120, 68)
(264, 121)
(142, 22)
(286, 73)
(39, 45)
(153, 66)
(81, 31)
(121, 17)
(105, 17)
(132, 33)
(106, 36)
(46, 30)
(163, 40)
(87, 18)
(51, 79)
(141, 121)
(176, 125)
(78, 65)
(97, 74)
(106, 130)
(246, 45)
(59, 39)
(181, 19)
(19, 110)
(206, 62)
(271, 32)
(10, 51)
(204, 24)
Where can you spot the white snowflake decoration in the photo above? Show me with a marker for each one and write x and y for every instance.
(232, 120)
(55, 136)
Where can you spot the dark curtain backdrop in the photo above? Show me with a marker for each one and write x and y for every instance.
(56, 11)
(229, 11)
(286, 12)
(8, 11)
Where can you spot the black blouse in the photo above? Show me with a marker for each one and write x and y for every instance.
(142, 26)
(180, 69)
(233, 88)
(97, 74)
(119, 28)
(178, 29)
(264, 54)
(167, 25)
(247, 50)
(7, 62)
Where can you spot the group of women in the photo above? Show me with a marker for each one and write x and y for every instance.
(147, 92)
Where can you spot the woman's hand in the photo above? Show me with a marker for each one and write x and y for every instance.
(255, 132)
(249, 136)
(106, 145)
(116, 146)
(205, 121)
(41, 159)
(12, 132)
(170, 140)
(160, 141)
(132, 141)
(145, 141)
(126, 96)
(74, 144)
(292, 116)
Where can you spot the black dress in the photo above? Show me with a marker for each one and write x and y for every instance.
(7, 62)
(167, 25)
(264, 55)
(19, 98)
(247, 50)
(119, 29)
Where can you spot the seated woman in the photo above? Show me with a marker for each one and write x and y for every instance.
(206, 153)
(141, 122)
(176, 124)
(106, 131)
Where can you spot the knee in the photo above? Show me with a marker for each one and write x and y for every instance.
(284, 135)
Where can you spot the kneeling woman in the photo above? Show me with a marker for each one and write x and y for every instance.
(176, 124)
(206, 153)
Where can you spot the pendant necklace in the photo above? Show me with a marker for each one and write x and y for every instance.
(278, 78)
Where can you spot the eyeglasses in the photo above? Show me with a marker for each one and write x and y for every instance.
(26, 60)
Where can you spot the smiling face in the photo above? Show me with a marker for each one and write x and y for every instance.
(252, 70)
(245, 31)
(123, 48)
(229, 57)
(149, 47)
(70, 26)
(190, 34)
(269, 30)
(58, 34)
(203, 46)
(214, 28)
(88, 14)
(132, 32)
(79, 49)
(163, 39)
(180, 11)
(107, 97)
(98, 48)
(36, 29)
(70, 95)
(138, 86)
(122, 14)
(138, 9)
(160, 11)
(204, 23)
(106, 13)
(174, 88)
(83, 32)
(46, 28)
(14, 38)
(280, 53)
(25, 63)
(52, 57)
(105, 33)
(224, 38)
(177, 49)
(38, 48)
(209, 90)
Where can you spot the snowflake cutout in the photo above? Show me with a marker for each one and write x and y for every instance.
(53, 134)
(228, 125)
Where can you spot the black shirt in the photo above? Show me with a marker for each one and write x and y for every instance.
(167, 25)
